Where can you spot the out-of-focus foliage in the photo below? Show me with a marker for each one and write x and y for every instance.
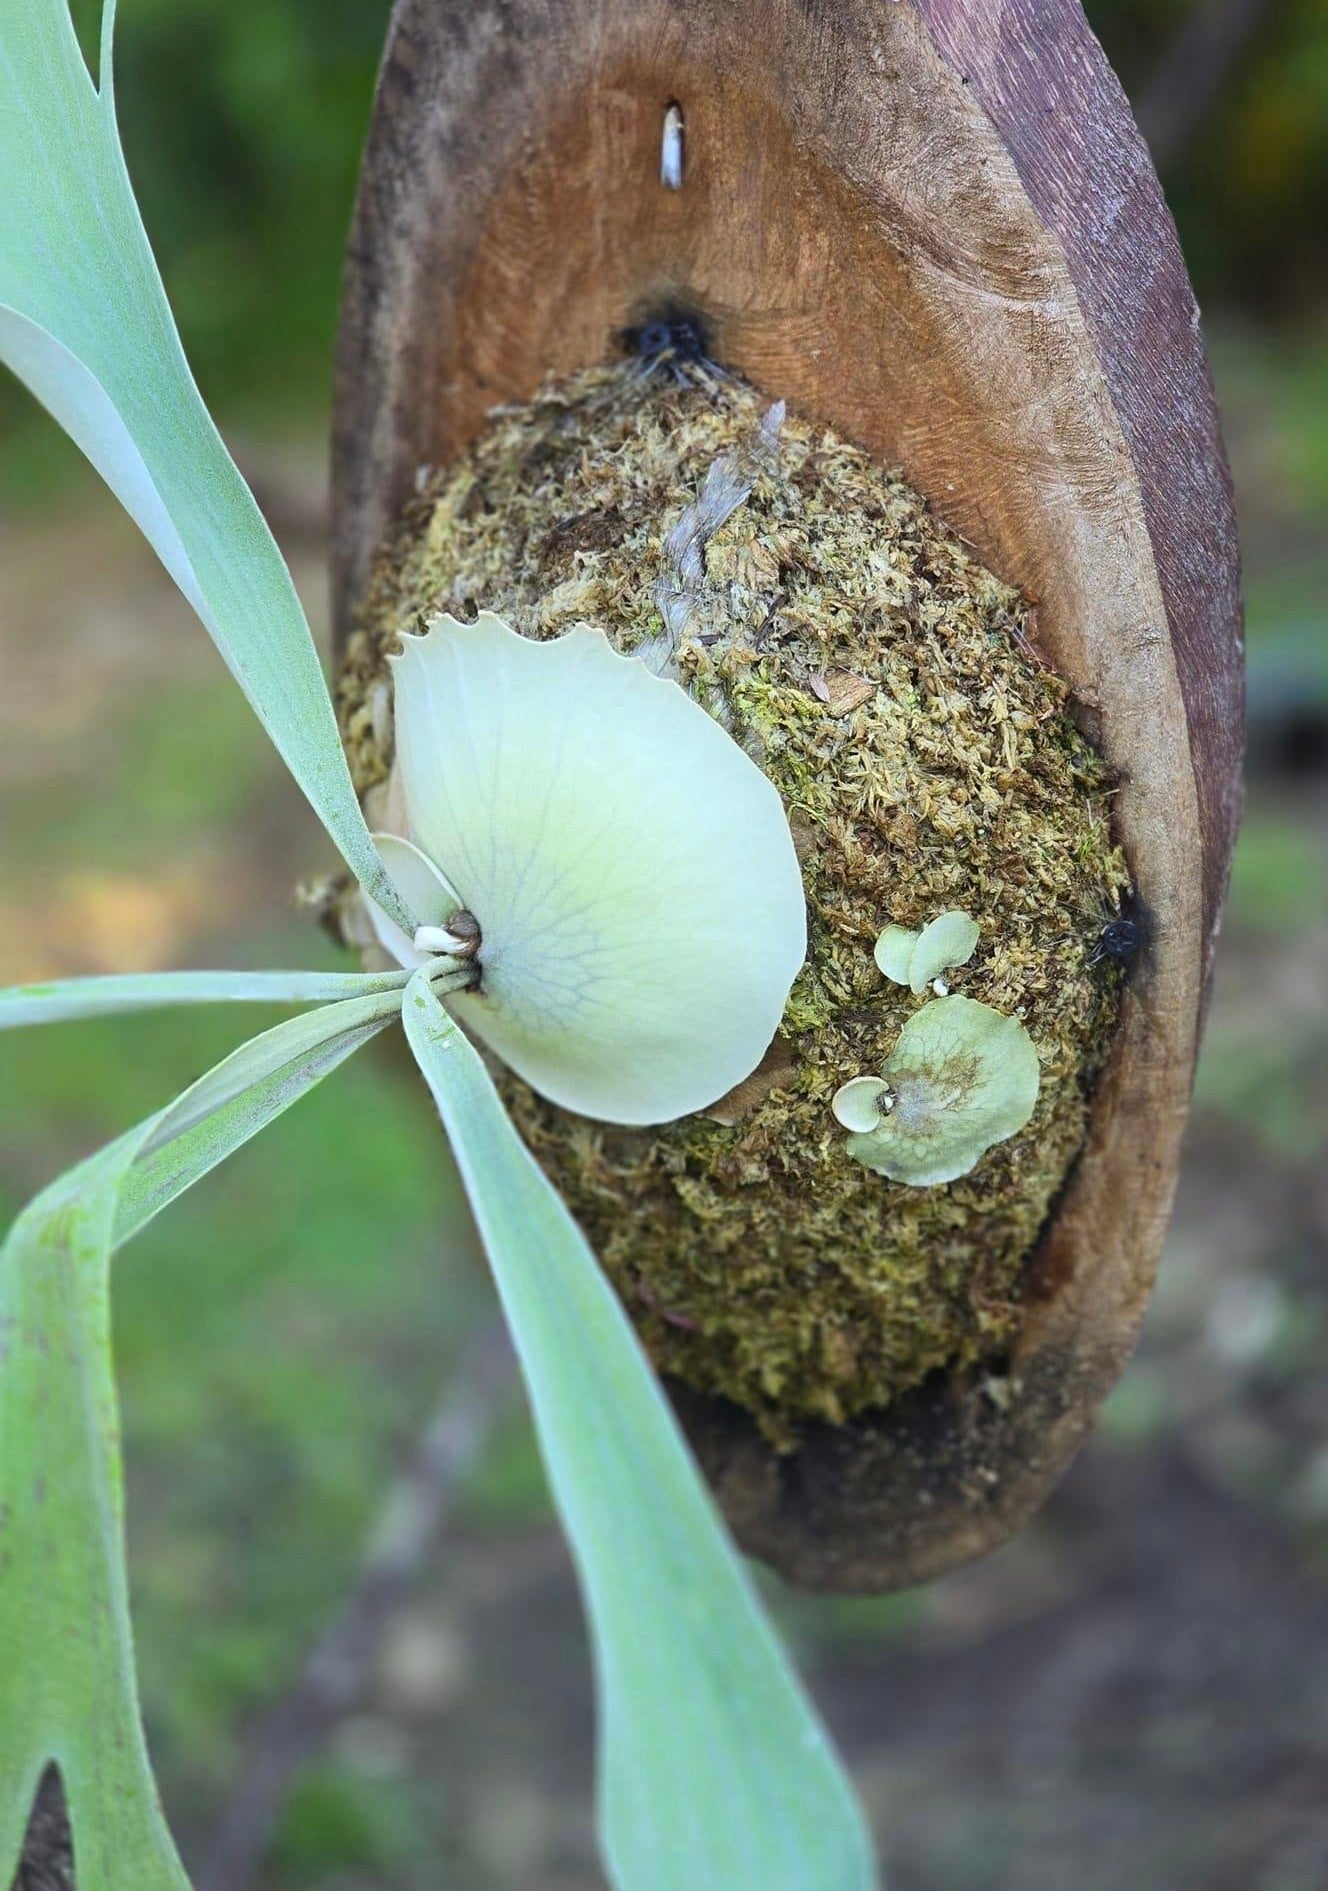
(85, 325)
(244, 120)
(1246, 182)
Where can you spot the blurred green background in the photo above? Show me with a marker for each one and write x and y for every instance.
(1137, 1687)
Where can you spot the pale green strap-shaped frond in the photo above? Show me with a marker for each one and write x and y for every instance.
(67, 1686)
(84, 321)
(714, 1769)
(240, 1096)
(68, 998)
(67, 1690)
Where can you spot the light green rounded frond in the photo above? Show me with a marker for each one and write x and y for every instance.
(949, 940)
(893, 953)
(427, 893)
(862, 1103)
(963, 1077)
(631, 870)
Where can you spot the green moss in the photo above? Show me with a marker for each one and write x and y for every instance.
(885, 682)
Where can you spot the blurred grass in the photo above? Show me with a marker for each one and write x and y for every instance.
(243, 121)
(340, 1821)
(162, 799)
(280, 1336)
(1279, 878)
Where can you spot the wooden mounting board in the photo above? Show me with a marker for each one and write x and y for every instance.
(932, 224)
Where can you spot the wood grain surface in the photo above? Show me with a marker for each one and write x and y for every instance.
(933, 225)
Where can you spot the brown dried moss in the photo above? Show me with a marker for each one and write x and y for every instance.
(886, 683)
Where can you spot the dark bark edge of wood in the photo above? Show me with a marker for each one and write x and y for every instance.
(933, 225)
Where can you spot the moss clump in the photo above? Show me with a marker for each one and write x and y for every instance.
(884, 681)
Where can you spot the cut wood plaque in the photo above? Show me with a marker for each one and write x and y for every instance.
(933, 225)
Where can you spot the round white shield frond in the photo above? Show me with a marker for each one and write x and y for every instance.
(944, 942)
(632, 871)
(916, 958)
(863, 1103)
(962, 1077)
(894, 952)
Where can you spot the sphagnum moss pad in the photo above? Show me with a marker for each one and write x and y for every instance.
(886, 683)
